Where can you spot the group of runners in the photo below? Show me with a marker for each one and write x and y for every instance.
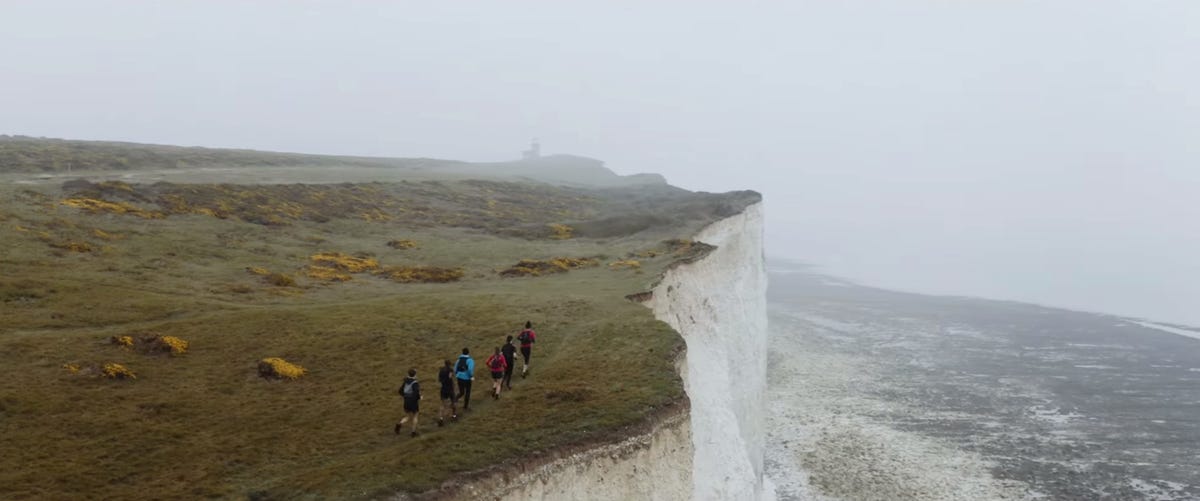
(462, 372)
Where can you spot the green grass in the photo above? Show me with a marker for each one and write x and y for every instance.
(47, 155)
(204, 424)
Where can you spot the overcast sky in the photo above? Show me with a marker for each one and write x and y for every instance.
(1032, 150)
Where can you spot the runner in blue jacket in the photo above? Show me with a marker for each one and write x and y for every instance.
(464, 371)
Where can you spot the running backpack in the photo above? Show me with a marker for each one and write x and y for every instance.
(408, 389)
(462, 365)
(497, 363)
(523, 337)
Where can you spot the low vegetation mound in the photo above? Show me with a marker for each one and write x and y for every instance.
(425, 274)
(401, 244)
(169, 344)
(344, 262)
(113, 370)
(537, 267)
(625, 264)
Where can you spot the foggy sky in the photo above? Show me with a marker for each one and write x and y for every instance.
(1030, 150)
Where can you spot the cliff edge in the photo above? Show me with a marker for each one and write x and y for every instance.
(710, 449)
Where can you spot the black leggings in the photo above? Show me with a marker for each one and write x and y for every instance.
(464, 392)
(525, 353)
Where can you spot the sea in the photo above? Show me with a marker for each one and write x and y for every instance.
(884, 395)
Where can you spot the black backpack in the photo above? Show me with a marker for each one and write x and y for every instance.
(409, 390)
(462, 365)
(523, 336)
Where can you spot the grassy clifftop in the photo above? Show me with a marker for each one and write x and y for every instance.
(356, 283)
(50, 157)
(45, 155)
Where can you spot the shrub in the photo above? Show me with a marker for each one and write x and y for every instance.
(172, 344)
(278, 368)
(426, 274)
(255, 270)
(125, 341)
(72, 368)
(114, 370)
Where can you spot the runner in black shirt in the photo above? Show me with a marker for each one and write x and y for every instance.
(510, 355)
(449, 402)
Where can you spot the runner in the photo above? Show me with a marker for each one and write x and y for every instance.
(527, 337)
(498, 366)
(411, 391)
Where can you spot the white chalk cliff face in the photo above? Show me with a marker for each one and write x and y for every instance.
(715, 451)
(719, 305)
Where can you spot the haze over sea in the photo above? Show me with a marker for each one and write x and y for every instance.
(876, 394)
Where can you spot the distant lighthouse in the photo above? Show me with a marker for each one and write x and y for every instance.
(534, 151)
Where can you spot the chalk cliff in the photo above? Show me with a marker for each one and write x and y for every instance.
(719, 305)
(712, 450)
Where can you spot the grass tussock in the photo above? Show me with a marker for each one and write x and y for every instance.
(338, 267)
(278, 368)
(538, 267)
(561, 231)
(423, 274)
(343, 262)
(401, 244)
(326, 274)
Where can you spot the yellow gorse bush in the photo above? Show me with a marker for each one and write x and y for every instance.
(114, 370)
(72, 368)
(176, 345)
(122, 340)
(279, 368)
